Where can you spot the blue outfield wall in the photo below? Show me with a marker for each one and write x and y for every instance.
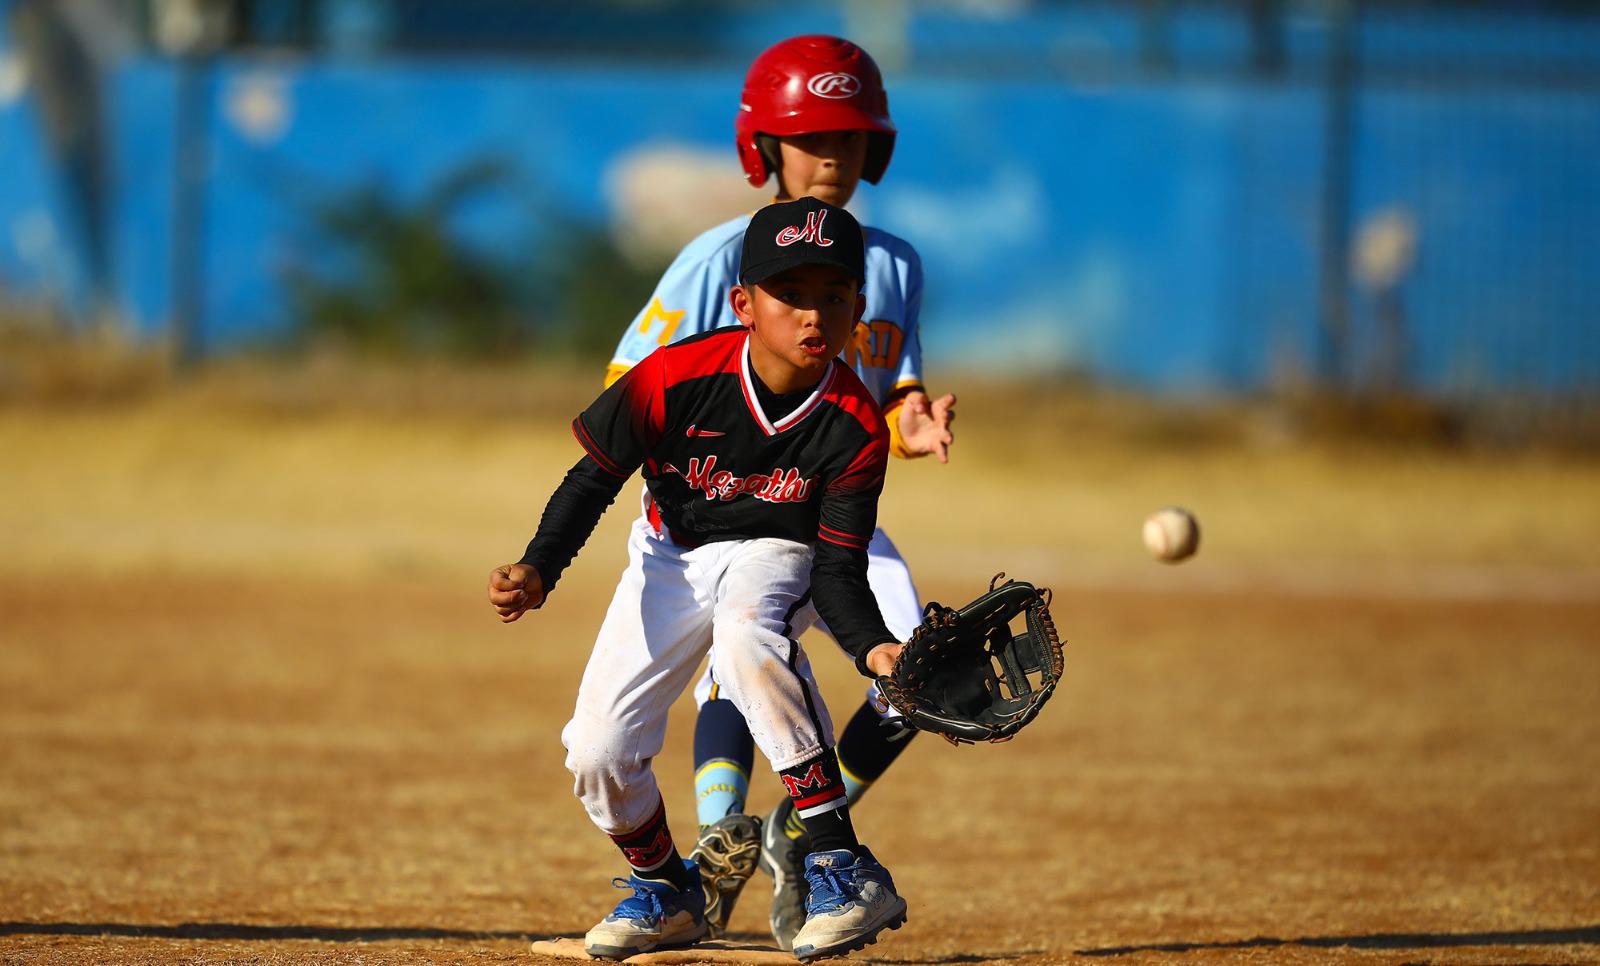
(1506, 289)
(1161, 234)
(1056, 228)
(143, 143)
(41, 234)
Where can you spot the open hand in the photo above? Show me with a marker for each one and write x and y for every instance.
(925, 425)
(515, 589)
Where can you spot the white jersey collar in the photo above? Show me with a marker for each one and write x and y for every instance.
(747, 383)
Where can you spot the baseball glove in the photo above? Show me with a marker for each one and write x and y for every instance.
(965, 675)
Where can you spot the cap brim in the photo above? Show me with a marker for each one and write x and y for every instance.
(760, 272)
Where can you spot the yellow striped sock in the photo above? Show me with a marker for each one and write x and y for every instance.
(720, 789)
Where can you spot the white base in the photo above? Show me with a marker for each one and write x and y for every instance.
(707, 951)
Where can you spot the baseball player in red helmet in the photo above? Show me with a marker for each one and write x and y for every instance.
(763, 457)
(814, 121)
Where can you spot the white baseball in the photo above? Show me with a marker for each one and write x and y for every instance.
(1171, 534)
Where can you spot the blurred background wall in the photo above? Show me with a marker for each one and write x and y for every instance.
(1181, 197)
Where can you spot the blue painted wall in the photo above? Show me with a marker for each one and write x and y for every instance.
(40, 240)
(1158, 233)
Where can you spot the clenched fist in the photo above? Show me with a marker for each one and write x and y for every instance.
(515, 589)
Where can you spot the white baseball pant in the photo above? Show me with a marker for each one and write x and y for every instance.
(891, 582)
(670, 607)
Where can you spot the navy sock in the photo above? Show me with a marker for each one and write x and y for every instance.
(867, 749)
(724, 753)
(817, 792)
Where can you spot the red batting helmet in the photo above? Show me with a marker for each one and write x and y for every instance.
(813, 83)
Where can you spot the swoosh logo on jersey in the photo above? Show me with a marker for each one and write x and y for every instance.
(696, 431)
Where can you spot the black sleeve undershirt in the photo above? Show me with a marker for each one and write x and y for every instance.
(844, 600)
(569, 518)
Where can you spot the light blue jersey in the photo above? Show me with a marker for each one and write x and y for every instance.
(692, 297)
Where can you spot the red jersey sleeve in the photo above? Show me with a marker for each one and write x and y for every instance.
(622, 426)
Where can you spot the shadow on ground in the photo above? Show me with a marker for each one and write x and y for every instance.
(1385, 940)
(246, 932)
(952, 959)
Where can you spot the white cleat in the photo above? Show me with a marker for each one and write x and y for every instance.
(852, 900)
(657, 915)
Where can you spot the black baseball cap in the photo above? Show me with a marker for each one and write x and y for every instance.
(801, 232)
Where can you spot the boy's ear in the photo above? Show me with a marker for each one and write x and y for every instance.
(861, 305)
(739, 299)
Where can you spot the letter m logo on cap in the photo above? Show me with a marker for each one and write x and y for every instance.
(812, 232)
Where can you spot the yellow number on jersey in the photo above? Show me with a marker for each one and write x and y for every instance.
(669, 320)
(875, 344)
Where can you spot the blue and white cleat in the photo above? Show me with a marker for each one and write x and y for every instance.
(657, 915)
(852, 899)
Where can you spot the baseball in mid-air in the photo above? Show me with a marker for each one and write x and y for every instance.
(1171, 534)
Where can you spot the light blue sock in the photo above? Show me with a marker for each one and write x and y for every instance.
(720, 789)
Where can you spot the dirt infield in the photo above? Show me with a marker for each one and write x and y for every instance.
(255, 711)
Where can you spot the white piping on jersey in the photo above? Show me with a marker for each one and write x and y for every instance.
(747, 383)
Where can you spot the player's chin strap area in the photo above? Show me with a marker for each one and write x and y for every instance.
(967, 676)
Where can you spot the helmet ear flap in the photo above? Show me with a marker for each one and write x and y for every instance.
(771, 154)
(880, 147)
(750, 157)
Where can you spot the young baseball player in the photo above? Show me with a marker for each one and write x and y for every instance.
(763, 458)
(814, 117)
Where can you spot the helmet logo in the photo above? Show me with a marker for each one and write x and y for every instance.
(836, 86)
(812, 232)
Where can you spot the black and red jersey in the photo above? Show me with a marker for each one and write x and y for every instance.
(718, 468)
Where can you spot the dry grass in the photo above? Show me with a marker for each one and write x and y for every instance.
(435, 471)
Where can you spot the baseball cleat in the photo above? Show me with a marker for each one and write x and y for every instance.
(852, 900)
(657, 915)
(784, 859)
(727, 854)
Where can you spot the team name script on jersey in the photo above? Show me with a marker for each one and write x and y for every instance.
(779, 486)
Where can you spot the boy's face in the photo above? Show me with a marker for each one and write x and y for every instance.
(823, 164)
(799, 319)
